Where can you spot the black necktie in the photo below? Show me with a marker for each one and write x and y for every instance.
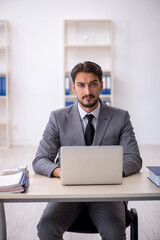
(89, 132)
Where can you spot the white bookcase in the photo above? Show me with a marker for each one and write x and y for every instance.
(4, 94)
(89, 40)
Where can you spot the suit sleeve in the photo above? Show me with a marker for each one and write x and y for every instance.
(132, 162)
(44, 162)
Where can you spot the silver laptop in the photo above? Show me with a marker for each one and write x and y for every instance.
(91, 165)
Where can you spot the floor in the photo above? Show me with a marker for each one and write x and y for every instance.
(22, 217)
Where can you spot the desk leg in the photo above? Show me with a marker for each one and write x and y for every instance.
(3, 234)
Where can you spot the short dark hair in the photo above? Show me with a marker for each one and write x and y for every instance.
(87, 67)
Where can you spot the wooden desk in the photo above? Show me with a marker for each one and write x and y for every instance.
(42, 189)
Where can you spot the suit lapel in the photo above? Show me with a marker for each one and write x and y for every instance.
(102, 124)
(76, 125)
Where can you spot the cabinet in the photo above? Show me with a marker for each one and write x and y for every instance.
(4, 94)
(89, 40)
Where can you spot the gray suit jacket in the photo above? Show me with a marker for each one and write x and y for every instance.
(64, 128)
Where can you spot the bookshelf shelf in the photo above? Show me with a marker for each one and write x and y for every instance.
(88, 40)
(3, 97)
(88, 46)
(4, 89)
(3, 123)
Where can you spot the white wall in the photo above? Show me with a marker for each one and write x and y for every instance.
(36, 61)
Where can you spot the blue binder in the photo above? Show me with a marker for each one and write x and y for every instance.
(106, 84)
(2, 86)
(67, 85)
(68, 103)
(154, 174)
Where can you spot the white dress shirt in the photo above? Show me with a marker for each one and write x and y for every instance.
(83, 114)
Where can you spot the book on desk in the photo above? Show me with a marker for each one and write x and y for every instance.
(14, 183)
(154, 174)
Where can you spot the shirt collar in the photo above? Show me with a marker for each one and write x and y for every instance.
(95, 112)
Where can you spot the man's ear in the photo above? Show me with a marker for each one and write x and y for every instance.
(101, 86)
(73, 87)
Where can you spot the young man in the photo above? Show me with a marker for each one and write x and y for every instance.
(66, 127)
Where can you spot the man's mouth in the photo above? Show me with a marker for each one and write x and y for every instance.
(88, 97)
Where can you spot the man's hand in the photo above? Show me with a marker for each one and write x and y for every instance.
(56, 172)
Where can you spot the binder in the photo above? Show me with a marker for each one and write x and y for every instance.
(67, 85)
(106, 84)
(2, 86)
(13, 183)
(154, 174)
(68, 103)
(108, 102)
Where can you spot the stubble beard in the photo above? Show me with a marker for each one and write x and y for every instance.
(88, 105)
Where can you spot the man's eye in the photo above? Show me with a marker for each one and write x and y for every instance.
(94, 84)
(81, 85)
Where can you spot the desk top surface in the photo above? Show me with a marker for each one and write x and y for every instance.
(44, 189)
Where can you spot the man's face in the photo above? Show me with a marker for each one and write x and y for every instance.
(87, 88)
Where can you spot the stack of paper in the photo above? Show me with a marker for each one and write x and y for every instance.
(13, 183)
(154, 174)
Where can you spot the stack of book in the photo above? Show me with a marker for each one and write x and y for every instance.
(154, 174)
(14, 183)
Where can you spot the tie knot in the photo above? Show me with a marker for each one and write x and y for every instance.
(89, 117)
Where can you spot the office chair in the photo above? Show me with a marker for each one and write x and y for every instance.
(84, 225)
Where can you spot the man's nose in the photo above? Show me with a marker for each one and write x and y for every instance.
(87, 89)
